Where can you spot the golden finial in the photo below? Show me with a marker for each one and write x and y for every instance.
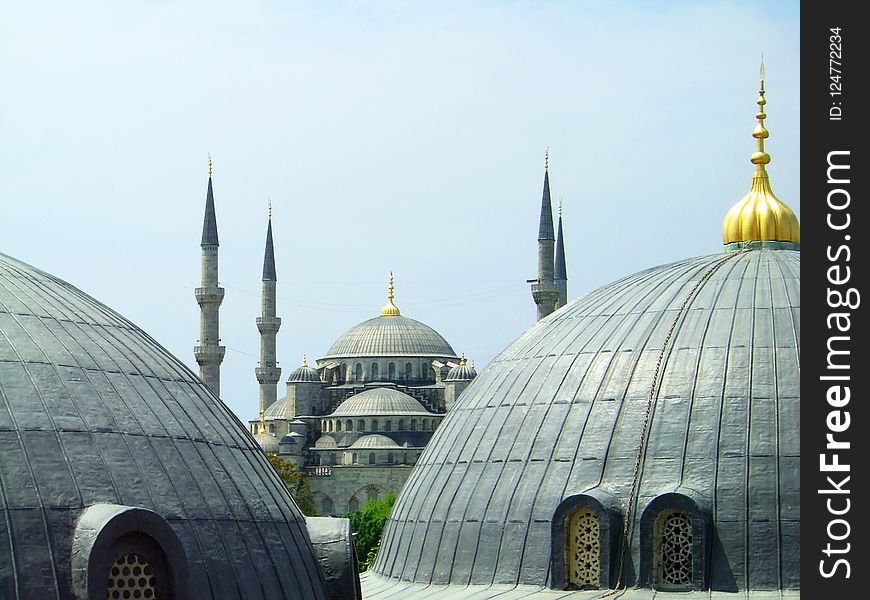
(760, 216)
(209, 165)
(390, 309)
(262, 430)
(270, 210)
(462, 360)
(547, 159)
(304, 361)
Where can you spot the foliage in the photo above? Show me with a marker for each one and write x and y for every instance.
(368, 525)
(295, 482)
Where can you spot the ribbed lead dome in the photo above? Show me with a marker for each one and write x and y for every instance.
(94, 412)
(559, 414)
(390, 336)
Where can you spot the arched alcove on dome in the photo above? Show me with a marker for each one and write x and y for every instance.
(573, 514)
(116, 548)
(675, 540)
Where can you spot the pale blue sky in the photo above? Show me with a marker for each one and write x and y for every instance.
(389, 136)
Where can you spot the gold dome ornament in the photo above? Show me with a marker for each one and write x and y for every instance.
(760, 217)
(390, 309)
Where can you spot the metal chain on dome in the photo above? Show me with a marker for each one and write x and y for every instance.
(627, 524)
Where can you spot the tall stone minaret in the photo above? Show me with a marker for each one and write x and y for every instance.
(268, 373)
(560, 276)
(544, 289)
(209, 353)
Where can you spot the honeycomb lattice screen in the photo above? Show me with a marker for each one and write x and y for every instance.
(584, 549)
(132, 578)
(676, 550)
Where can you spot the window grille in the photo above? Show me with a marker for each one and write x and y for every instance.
(132, 577)
(584, 549)
(675, 550)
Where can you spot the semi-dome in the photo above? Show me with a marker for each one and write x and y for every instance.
(706, 352)
(325, 441)
(113, 451)
(379, 402)
(277, 410)
(374, 440)
(304, 374)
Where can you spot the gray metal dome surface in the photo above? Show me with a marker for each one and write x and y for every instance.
(379, 402)
(268, 442)
(277, 410)
(560, 412)
(390, 336)
(94, 412)
(461, 373)
(325, 441)
(304, 374)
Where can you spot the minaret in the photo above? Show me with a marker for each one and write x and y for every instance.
(544, 289)
(268, 373)
(209, 353)
(560, 276)
(760, 219)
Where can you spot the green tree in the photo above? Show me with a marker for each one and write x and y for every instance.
(295, 481)
(368, 525)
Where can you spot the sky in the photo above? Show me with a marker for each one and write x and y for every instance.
(388, 136)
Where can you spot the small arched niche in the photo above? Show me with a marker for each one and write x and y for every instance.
(584, 541)
(117, 548)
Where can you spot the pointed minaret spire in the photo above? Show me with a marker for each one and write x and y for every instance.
(544, 290)
(268, 373)
(209, 353)
(560, 275)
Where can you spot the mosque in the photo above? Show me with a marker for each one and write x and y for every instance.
(640, 441)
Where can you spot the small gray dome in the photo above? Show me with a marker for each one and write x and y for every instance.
(268, 442)
(304, 374)
(374, 440)
(461, 372)
(325, 441)
(378, 402)
(95, 413)
(393, 336)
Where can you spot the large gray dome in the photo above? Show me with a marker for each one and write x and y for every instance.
(557, 418)
(390, 336)
(99, 421)
(378, 402)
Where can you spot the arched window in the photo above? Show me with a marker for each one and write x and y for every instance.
(391, 371)
(345, 368)
(374, 371)
(673, 552)
(374, 424)
(361, 425)
(401, 425)
(271, 428)
(371, 458)
(327, 506)
(353, 504)
(358, 372)
(388, 425)
(348, 425)
(338, 425)
(425, 371)
(584, 549)
(354, 459)
(405, 458)
(675, 530)
(409, 370)
(413, 424)
(372, 493)
(391, 458)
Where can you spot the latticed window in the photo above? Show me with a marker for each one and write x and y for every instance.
(584, 549)
(675, 540)
(132, 577)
